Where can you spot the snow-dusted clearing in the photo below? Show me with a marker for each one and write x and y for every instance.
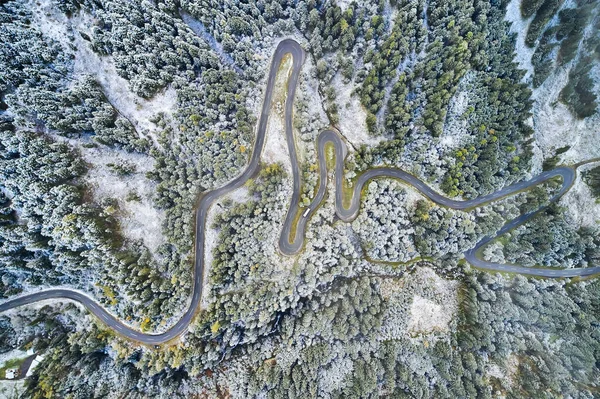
(211, 237)
(519, 27)
(555, 126)
(12, 388)
(455, 131)
(580, 204)
(353, 117)
(13, 354)
(138, 218)
(421, 304)
(427, 316)
(137, 110)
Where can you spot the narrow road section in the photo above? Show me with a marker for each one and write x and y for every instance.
(293, 246)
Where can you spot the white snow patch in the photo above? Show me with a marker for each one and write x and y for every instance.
(520, 26)
(12, 388)
(309, 86)
(512, 368)
(580, 204)
(13, 354)
(139, 220)
(353, 117)
(455, 131)
(343, 4)
(332, 377)
(211, 236)
(555, 126)
(421, 304)
(240, 195)
(137, 110)
(495, 371)
(276, 150)
(426, 316)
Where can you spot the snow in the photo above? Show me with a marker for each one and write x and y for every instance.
(419, 305)
(13, 354)
(455, 131)
(520, 26)
(53, 302)
(353, 117)
(427, 316)
(555, 126)
(211, 238)
(309, 87)
(580, 204)
(343, 4)
(512, 368)
(12, 388)
(332, 378)
(138, 220)
(36, 361)
(137, 110)
(198, 28)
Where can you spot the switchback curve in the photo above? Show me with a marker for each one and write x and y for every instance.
(288, 247)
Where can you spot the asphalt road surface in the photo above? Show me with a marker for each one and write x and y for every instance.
(292, 245)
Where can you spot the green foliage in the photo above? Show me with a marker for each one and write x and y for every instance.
(578, 94)
(560, 43)
(122, 168)
(529, 7)
(501, 106)
(386, 61)
(550, 240)
(592, 178)
(544, 13)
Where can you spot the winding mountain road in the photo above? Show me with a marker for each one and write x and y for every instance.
(292, 247)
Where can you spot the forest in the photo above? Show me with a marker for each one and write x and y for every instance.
(385, 306)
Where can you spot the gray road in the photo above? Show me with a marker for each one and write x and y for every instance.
(292, 245)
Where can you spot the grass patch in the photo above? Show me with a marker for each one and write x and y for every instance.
(109, 293)
(10, 364)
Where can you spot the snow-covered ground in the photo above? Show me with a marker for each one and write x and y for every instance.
(137, 110)
(554, 124)
(580, 204)
(138, 220)
(427, 316)
(275, 148)
(12, 388)
(519, 26)
(455, 131)
(353, 117)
